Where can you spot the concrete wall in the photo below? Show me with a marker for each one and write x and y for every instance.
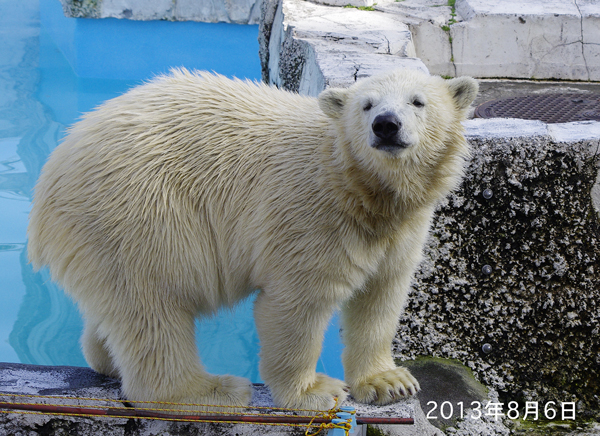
(550, 39)
(527, 39)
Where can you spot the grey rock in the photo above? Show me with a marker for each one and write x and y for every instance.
(448, 388)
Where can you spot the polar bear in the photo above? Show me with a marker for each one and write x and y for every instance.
(193, 191)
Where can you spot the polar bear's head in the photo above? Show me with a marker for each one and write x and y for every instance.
(399, 110)
(404, 128)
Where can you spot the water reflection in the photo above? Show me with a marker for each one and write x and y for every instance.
(48, 326)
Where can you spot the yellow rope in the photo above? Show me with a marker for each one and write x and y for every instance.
(330, 414)
(326, 426)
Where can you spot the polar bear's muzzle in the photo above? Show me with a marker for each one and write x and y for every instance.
(387, 129)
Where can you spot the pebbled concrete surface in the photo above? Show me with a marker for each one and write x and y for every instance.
(538, 233)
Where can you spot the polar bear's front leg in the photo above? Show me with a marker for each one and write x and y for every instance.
(370, 320)
(369, 325)
(291, 335)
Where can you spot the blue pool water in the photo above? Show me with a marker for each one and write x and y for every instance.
(52, 69)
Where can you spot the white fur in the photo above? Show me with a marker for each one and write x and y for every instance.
(188, 192)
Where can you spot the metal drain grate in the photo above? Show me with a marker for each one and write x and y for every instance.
(549, 108)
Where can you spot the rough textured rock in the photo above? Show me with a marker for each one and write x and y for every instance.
(519, 270)
(306, 47)
(513, 38)
(429, 23)
(526, 39)
(237, 11)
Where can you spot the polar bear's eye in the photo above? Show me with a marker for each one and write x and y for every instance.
(418, 102)
(367, 107)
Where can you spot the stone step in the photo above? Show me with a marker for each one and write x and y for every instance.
(309, 47)
(528, 39)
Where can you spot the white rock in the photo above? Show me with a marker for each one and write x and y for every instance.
(575, 131)
(345, 2)
(415, 11)
(426, 20)
(468, 9)
(432, 44)
(511, 38)
(136, 10)
(230, 11)
(504, 128)
(527, 39)
(590, 22)
(239, 11)
(313, 46)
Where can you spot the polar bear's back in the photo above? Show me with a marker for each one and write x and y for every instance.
(150, 186)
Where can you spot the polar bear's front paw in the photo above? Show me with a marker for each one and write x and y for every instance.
(385, 387)
(321, 395)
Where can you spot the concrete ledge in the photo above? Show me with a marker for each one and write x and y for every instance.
(570, 133)
(513, 127)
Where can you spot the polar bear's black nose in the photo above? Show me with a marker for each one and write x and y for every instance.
(386, 126)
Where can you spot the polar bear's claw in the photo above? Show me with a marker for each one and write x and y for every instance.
(385, 387)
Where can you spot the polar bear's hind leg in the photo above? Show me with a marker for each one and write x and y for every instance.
(156, 356)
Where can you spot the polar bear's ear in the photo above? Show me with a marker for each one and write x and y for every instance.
(332, 101)
(463, 90)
